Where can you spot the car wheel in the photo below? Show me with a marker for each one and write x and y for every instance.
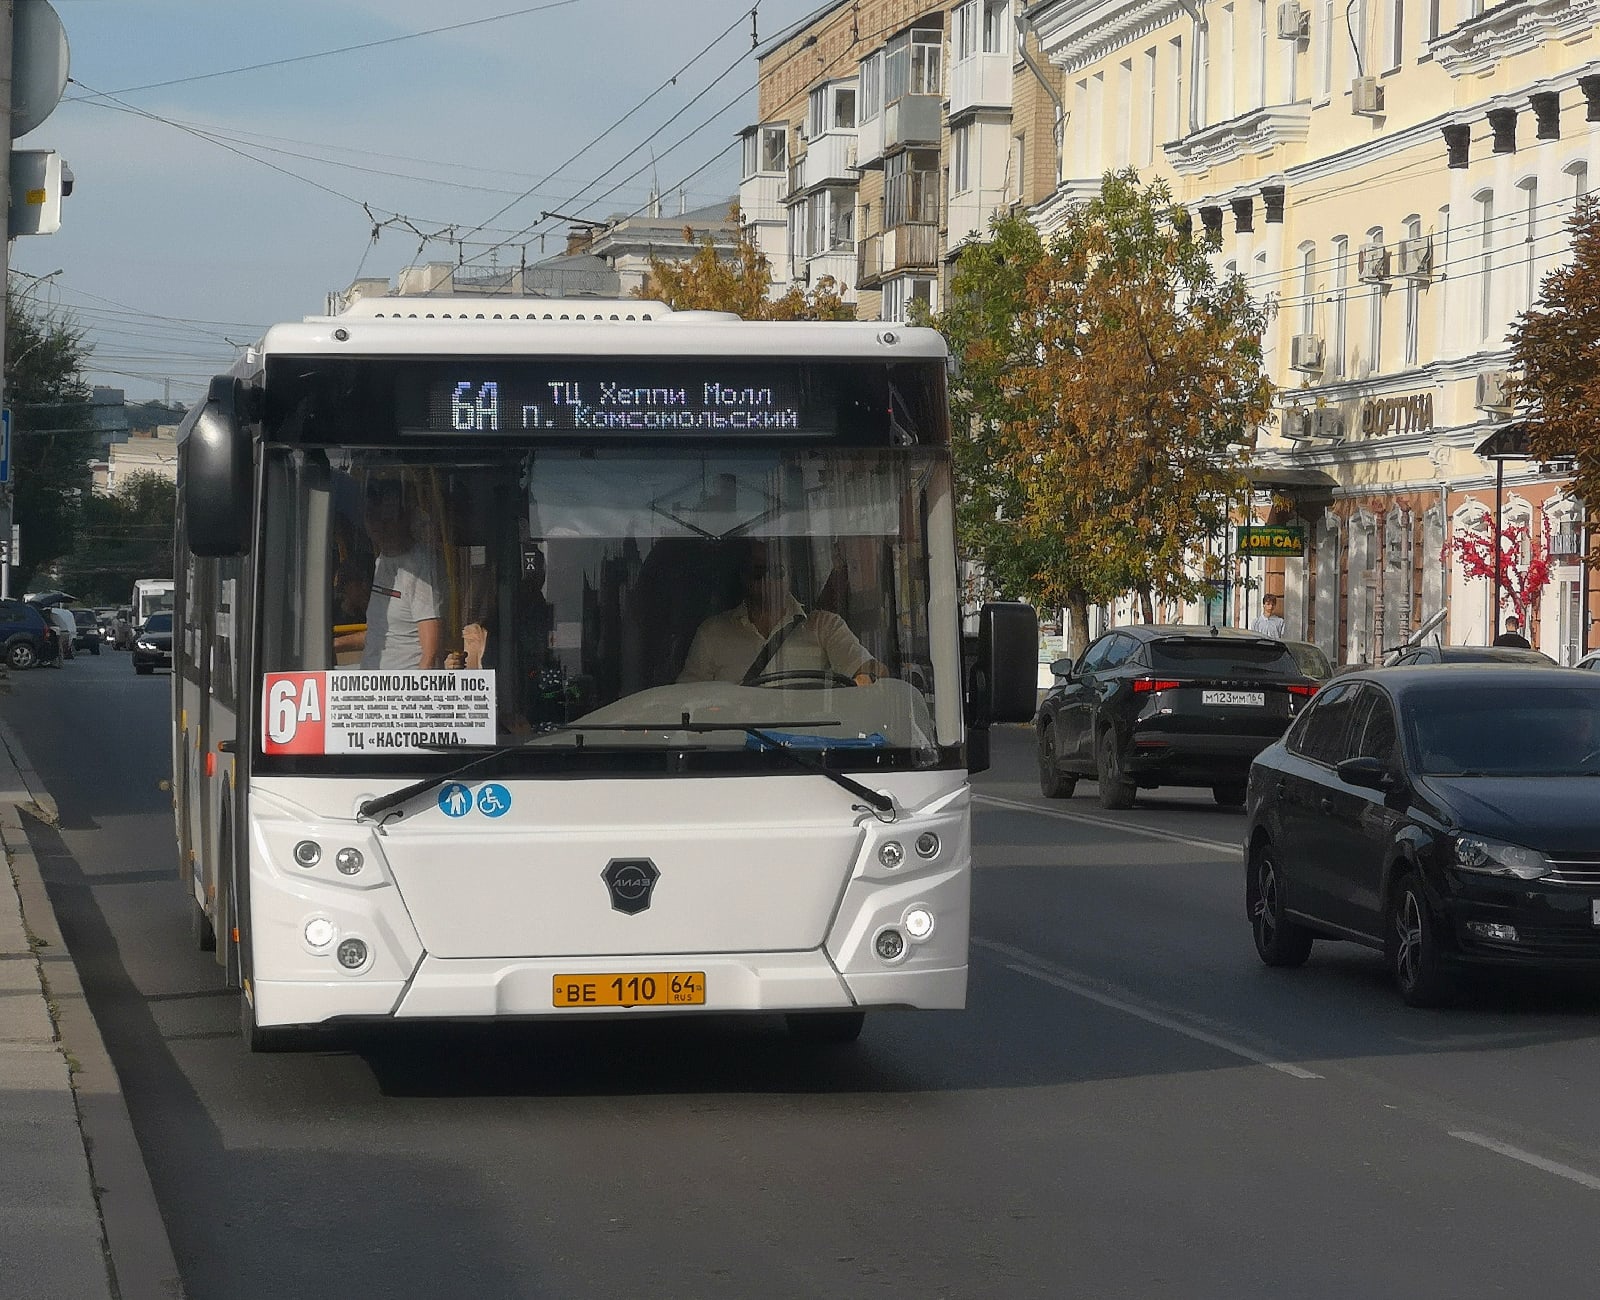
(1116, 791)
(1413, 947)
(1279, 942)
(21, 655)
(1052, 783)
(820, 1028)
(1228, 796)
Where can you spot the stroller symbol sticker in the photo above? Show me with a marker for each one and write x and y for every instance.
(494, 800)
(455, 800)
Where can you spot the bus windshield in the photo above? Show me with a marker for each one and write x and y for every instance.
(627, 590)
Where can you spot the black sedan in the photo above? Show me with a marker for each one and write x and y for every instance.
(1152, 705)
(1412, 656)
(1444, 815)
(152, 644)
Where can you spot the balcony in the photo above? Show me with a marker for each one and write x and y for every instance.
(869, 142)
(911, 247)
(911, 120)
(829, 160)
(982, 81)
(838, 263)
(761, 197)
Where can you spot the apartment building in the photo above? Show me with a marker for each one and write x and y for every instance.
(1394, 175)
(890, 132)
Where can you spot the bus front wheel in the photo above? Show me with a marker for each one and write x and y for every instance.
(824, 1027)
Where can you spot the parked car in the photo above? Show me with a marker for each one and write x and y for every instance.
(152, 646)
(1590, 662)
(1466, 654)
(87, 637)
(1442, 815)
(27, 638)
(1313, 663)
(1151, 705)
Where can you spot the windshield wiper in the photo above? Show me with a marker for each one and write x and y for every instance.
(385, 802)
(877, 801)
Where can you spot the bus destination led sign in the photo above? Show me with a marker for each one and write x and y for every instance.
(570, 405)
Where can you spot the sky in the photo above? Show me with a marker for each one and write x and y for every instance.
(208, 207)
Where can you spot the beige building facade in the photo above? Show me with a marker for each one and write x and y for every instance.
(1394, 176)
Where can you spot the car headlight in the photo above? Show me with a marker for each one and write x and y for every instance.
(145, 645)
(1492, 858)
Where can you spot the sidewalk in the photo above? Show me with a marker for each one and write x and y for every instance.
(79, 1217)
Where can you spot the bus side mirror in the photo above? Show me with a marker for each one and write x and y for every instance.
(1005, 675)
(216, 472)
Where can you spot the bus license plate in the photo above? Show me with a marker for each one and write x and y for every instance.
(683, 988)
(1233, 697)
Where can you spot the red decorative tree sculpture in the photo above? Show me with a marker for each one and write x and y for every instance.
(1524, 562)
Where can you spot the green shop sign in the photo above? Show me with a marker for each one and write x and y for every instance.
(1272, 539)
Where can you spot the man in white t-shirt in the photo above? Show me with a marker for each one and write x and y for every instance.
(1269, 622)
(403, 629)
(729, 645)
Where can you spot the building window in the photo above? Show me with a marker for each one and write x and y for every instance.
(1529, 288)
(1578, 174)
(1324, 44)
(766, 151)
(1308, 288)
(1484, 201)
(1124, 155)
(964, 35)
(1225, 37)
(1413, 298)
(1258, 74)
(1202, 92)
(844, 108)
(961, 159)
(871, 87)
(1095, 124)
(1341, 307)
(911, 187)
(1150, 84)
(1397, 23)
(996, 25)
(833, 108)
(830, 222)
(901, 295)
(912, 64)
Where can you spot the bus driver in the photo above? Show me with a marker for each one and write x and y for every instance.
(769, 632)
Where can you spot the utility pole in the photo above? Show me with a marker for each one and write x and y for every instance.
(7, 14)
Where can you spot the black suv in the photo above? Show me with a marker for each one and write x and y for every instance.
(26, 640)
(1152, 705)
(88, 637)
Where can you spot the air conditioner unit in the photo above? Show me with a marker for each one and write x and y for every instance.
(1372, 263)
(1294, 23)
(1297, 422)
(1305, 353)
(1416, 258)
(1326, 422)
(1366, 96)
(1494, 391)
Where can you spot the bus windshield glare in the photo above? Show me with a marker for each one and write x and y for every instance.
(629, 591)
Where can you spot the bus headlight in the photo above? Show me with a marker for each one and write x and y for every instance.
(352, 954)
(927, 845)
(890, 945)
(919, 923)
(319, 932)
(891, 853)
(308, 853)
(349, 861)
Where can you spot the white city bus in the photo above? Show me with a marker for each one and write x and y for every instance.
(563, 826)
(150, 596)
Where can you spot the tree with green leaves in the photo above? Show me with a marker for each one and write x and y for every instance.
(1555, 347)
(1110, 387)
(124, 535)
(715, 279)
(52, 433)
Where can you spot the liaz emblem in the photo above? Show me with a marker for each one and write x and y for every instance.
(631, 881)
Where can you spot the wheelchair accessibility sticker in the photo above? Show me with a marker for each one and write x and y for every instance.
(494, 800)
(455, 800)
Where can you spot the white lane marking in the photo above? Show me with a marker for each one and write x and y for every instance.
(1528, 1158)
(1105, 823)
(1024, 963)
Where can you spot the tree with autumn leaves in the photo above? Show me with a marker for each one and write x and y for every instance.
(1555, 347)
(1110, 386)
(738, 280)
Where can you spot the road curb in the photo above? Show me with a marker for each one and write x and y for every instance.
(139, 1252)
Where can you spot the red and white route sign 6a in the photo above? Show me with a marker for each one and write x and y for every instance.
(294, 707)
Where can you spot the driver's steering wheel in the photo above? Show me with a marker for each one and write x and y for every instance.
(818, 677)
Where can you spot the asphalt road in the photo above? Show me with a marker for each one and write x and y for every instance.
(1131, 1106)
